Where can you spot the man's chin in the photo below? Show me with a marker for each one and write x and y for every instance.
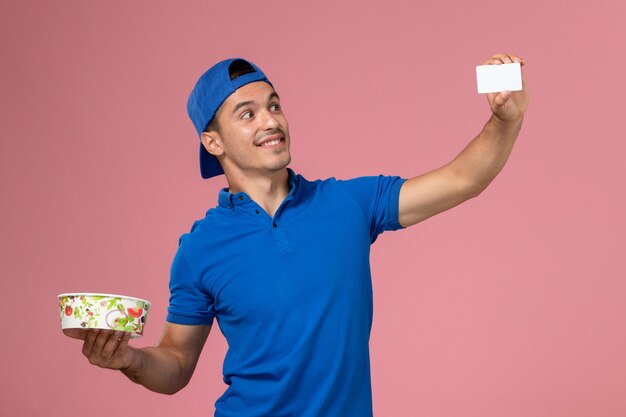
(269, 169)
(284, 163)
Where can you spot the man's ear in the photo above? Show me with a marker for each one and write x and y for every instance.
(212, 143)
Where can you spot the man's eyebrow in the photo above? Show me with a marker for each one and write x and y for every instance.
(241, 104)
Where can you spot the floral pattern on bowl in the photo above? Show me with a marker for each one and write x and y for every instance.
(103, 311)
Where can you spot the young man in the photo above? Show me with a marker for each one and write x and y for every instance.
(282, 263)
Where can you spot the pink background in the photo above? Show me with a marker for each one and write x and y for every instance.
(513, 304)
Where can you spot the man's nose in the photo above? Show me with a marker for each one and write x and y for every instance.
(268, 120)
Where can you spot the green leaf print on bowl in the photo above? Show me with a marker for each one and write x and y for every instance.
(81, 311)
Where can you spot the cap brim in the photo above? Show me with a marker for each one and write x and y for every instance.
(209, 165)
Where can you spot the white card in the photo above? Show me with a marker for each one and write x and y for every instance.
(496, 78)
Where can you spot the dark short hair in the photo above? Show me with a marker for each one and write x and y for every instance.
(213, 125)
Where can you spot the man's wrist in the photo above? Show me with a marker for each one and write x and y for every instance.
(133, 369)
(501, 124)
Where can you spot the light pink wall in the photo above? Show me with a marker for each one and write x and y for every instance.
(510, 305)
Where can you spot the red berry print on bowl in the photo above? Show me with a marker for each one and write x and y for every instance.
(68, 310)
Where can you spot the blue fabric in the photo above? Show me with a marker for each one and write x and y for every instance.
(208, 95)
(294, 300)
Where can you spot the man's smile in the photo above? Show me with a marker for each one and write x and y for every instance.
(273, 141)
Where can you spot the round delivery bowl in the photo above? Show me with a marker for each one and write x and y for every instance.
(83, 311)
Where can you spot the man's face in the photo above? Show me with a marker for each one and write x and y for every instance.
(253, 136)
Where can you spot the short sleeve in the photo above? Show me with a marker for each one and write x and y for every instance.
(378, 198)
(190, 303)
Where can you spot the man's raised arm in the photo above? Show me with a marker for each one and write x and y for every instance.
(476, 166)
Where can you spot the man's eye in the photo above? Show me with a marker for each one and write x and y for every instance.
(275, 107)
(246, 115)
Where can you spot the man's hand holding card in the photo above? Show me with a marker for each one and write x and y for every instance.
(501, 77)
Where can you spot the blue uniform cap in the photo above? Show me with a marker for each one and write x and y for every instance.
(211, 90)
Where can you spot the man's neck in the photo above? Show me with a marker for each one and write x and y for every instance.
(268, 191)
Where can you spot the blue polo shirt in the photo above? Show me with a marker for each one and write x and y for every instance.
(292, 294)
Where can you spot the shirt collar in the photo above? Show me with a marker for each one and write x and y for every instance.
(228, 200)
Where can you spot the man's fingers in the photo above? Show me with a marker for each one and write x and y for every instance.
(105, 348)
(89, 341)
(111, 344)
(123, 342)
(98, 345)
(492, 61)
(517, 59)
(497, 59)
(501, 98)
(503, 59)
